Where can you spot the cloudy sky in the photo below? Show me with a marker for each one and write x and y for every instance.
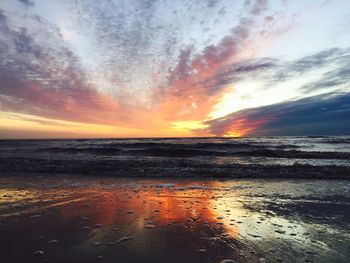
(149, 68)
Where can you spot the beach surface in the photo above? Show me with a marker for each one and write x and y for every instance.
(70, 218)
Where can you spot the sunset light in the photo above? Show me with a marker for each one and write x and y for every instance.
(85, 70)
(177, 131)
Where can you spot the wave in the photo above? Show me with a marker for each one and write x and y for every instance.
(168, 168)
(168, 150)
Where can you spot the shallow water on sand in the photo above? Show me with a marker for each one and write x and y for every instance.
(85, 219)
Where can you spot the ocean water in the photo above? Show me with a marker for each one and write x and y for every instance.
(174, 154)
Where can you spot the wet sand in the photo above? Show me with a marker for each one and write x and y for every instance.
(89, 219)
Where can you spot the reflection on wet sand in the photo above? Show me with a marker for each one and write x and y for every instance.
(128, 220)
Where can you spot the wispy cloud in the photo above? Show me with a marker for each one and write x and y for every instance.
(156, 65)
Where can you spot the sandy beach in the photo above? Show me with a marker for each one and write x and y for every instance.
(70, 218)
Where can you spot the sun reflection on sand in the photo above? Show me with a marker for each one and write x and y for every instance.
(13, 196)
(135, 208)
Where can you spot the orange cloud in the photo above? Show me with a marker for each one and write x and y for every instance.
(242, 127)
(192, 92)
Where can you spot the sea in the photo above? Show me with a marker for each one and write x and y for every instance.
(176, 156)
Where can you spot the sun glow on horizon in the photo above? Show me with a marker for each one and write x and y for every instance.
(31, 123)
(187, 127)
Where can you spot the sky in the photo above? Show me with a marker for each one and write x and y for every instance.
(164, 68)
